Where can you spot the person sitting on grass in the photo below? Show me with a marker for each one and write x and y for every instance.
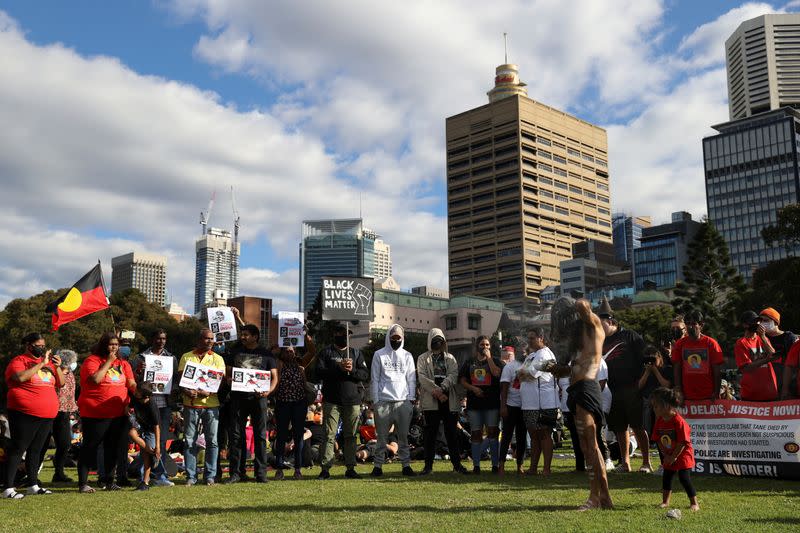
(673, 436)
(145, 430)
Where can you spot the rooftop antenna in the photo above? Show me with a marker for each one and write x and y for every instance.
(505, 47)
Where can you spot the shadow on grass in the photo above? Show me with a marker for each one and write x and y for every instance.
(785, 520)
(293, 508)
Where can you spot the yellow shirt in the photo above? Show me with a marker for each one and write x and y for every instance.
(210, 359)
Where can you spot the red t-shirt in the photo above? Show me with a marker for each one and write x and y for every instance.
(793, 360)
(37, 396)
(759, 385)
(671, 433)
(109, 399)
(696, 358)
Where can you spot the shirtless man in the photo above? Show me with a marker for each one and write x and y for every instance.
(581, 328)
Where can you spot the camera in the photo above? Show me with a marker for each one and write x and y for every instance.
(649, 359)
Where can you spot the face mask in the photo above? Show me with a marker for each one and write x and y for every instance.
(340, 341)
(370, 422)
(437, 345)
(73, 366)
(769, 326)
(38, 351)
(124, 352)
(395, 344)
(693, 333)
(677, 333)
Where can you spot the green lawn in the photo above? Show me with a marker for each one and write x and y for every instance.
(443, 501)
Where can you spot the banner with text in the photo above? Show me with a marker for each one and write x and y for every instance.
(290, 329)
(222, 323)
(745, 438)
(347, 298)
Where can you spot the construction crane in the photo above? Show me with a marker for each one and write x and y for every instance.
(204, 217)
(235, 254)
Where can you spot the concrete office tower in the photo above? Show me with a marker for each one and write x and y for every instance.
(627, 232)
(383, 260)
(763, 65)
(333, 248)
(524, 182)
(751, 171)
(213, 267)
(143, 271)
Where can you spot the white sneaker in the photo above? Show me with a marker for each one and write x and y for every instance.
(163, 483)
(37, 490)
(609, 465)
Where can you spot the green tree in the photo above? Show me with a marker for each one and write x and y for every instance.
(652, 323)
(712, 285)
(786, 232)
(777, 285)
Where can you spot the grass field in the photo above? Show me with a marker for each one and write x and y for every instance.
(442, 501)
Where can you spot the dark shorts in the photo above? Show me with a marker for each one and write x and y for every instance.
(587, 394)
(626, 409)
(536, 418)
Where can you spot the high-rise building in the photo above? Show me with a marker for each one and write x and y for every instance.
(383, 260)
(664, 252)
(593, 265)
(751, 171)
(627, 231)
(524, 182)
(215, 267)
(763, 65)
(333, 248)
(143, 271)
(257, 311)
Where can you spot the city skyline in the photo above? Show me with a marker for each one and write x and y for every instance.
(118, 141)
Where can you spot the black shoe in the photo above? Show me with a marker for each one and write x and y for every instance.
(351, 473)
(62, 478)
(124, 482)
(324, 474)
(409, 472)
(233, 479)
(143, 486)
(376, 472)
(461, 470)
(495, 469)
(244, 478)
(260, 479)
(476, 470)
(425, 471)
(112, 486)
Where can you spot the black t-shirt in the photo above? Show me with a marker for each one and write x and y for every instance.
(259, 358)
(782, 343)
(317, 433)
(477, 374)
(145, 414)
(623, 352)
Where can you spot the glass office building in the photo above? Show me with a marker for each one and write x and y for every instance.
(627, 233)
(333, 248)
(751, 171)
(662, 253)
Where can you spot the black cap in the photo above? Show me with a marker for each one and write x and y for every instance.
(749, 318)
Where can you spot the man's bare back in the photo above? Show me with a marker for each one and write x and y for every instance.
(587, 361)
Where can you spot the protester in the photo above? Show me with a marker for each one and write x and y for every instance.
(62, 431)
(32, 379)
(480, 376)
(103, 404)
(780, 340)
(792, 364)
(248, 353)
(653, 376)
(161, 399)
(754, 355)
(437, 371)
(201, 406)
(539, 400)
(507, 354)
(393, 390)
(145, 430)
(623, 353)
(290, 408)
(342, 371)
(696, 362)
(673, 436)
(511, 411)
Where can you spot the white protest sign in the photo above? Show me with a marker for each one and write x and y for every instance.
(250, 380)
(158, 371)
(201, 377)
(222, 323)
(290, 329)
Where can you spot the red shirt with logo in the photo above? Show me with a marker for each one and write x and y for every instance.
(793, 359)
(109, 398)
(759, 385)
(669, 434)
(36, 397)
(697, 358)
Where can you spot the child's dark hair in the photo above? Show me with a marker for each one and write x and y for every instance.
(145, 389)
(650, 350)
(666, 396)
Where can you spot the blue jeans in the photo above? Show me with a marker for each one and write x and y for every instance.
(149, 438)
(209, 416)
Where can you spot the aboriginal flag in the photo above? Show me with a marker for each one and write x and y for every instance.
(84, 298)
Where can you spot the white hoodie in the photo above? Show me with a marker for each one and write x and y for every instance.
(394, 378)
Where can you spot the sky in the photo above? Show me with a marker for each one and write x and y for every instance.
(120, 119)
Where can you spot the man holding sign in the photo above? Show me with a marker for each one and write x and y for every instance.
(246, 360)
(201, 403)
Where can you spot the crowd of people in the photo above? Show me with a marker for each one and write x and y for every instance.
(609, 391)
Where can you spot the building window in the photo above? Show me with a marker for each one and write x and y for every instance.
(474, 322)
(450, 323)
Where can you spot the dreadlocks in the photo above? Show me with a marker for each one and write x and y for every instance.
(566, 329)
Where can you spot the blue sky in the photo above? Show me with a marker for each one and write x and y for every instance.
(146, 107)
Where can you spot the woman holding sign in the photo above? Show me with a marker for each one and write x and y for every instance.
(32, 380)
(103, 405)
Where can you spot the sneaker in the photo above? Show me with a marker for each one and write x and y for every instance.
(231, 480)
(12, 494)
(112, 487)
(476, 470)
(351, 473)
(610, 465)
(36, 490)
(298, 474)
(279, 475)
(124, 482)
(191, 482)
(143, 486)
(408, 471)
(62, 478)
(425, 471)
(263, 479)
(377, 472)
(495, 469)
(461, 470)
(324, 474)
(210, 482)
(163, 482)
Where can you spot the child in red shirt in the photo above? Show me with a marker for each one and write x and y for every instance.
(673, 436)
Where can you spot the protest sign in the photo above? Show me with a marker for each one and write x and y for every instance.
(347, 298)
(290, 329)
(745, 438)
(158, 371)
(201, 377)
(222, 323)
(250, 380)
